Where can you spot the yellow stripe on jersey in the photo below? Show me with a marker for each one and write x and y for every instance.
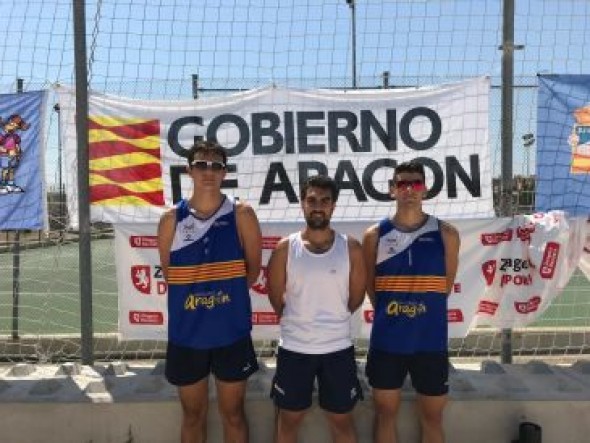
(182, 275)
(412, 283)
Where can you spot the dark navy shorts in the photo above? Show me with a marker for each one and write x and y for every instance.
(235, 362)
(429, 371)
(336, 372)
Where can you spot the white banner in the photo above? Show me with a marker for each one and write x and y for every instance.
(585, 259)
(277, 137)
(509, 272)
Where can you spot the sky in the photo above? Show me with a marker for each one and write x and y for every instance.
(150, 49)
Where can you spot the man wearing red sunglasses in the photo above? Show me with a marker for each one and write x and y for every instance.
(210, 251)
(411, 260)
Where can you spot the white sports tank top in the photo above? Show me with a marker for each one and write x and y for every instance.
(316, 319)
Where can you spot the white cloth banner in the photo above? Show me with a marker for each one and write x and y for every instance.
(509, 272)
(277, 137)
(585, 259)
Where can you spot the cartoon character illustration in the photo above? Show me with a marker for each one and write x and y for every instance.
(10, 152)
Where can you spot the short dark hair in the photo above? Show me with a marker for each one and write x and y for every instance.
(322, 182)
(207, 147)
(410, 167)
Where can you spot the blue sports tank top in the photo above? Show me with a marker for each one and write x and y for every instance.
(410, 290)
(208, 299)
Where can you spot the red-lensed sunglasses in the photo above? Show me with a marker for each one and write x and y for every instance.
(416, 185)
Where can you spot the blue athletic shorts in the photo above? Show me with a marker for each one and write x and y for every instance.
(336, 372)
(429, 371)
(235, 362)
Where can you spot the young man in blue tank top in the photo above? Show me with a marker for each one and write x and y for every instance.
(210, 250)
(411, 261)
(316, 280)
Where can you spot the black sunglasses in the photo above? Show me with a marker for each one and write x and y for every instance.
(203, 165)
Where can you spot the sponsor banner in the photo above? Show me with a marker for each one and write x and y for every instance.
(507, 281)
(528, 263)
(276, 138)
(140, 282)
(22, 168)
(563, 144)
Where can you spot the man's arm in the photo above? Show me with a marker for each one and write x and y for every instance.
(452, 242)
(370, 242)
(166, 230)
(277, 276)
(251, 239)
(358, 275)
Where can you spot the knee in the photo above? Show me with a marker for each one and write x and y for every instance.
(432, 417)
(341, 422)
(232, 414)
(194, 416)
(289, 419)
(386, 409)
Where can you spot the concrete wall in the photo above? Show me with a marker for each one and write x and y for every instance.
(122, 404)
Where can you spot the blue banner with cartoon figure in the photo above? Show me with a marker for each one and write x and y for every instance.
(563, 144)
(22, 153)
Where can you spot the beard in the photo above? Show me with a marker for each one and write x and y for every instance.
(317, 223)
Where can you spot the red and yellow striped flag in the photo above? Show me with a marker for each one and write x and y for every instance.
(125, 166)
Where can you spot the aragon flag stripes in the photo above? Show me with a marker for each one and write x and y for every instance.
(125, 165)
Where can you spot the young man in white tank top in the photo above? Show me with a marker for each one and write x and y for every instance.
(316, 280)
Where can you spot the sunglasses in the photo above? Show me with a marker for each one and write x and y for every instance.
(203, 165)
(416, 185)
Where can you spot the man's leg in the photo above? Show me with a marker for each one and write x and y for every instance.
(288, 424)
(291, 391)
(194, 401)
(430, 410)
(430, 377)
(230, 397)
(386, 403)
(339, 391)
(342, 427)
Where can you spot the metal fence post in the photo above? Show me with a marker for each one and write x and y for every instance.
(84, 247)
(352, 5)
(508, 48)
(16, 260)
(195, 83)
(385, 79)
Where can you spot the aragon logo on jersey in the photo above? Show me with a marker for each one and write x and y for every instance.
(488, 270)
(141, 278)
(259, 286)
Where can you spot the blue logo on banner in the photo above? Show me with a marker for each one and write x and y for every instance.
(22, 198)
